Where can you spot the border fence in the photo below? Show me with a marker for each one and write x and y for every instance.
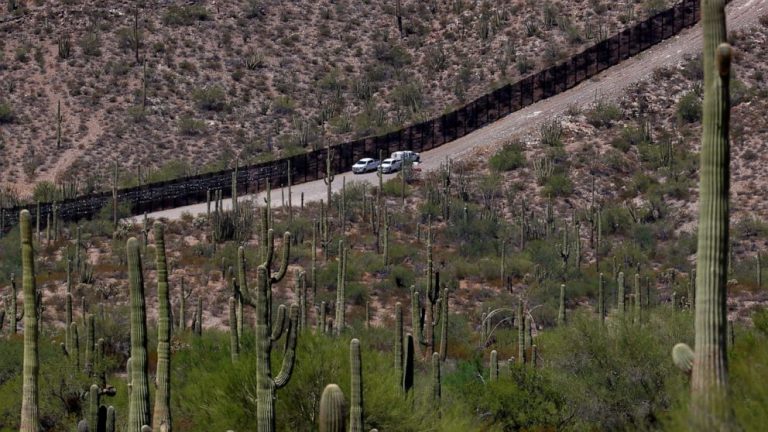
(418, 137)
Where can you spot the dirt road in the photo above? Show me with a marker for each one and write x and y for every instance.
(610, 83)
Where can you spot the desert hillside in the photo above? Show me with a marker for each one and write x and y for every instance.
(189, 87)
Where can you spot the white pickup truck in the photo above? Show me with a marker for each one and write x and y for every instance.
(406, 156)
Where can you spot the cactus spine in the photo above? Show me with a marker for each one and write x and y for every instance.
(332, 410)
(30, 421)
(356, 392)
(161, 416)
(138, 408)
(709, 383)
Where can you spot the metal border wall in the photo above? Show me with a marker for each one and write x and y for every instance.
(418, 137)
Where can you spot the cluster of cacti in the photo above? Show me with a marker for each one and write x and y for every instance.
(709, 382)
(100, 418)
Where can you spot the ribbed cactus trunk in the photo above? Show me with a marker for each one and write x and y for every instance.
(520, 332)
(561, 312)
(161, 416)
(340, 290)
(30, 421)
(93, 408)
(620, 294)
(138, 407)
(416, 319)
(709, 382)
(408, 364)
(444, 326)
(90, 342)
(399, 344)
(110, 422)
(356, 390)
(436, 380)
(601, 297)
(333, 409)
(234, 343)
(494, 366)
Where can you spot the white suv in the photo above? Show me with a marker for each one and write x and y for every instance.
(406, 156)
(391, 165)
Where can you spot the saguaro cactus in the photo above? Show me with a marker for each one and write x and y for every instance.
(12, 307)
(416, 317)
(90, 342)
(161, 416)
(332, 410)
(709, 383)
(444, 326)
(138, 408)
(399, 344)
(494, 366)
(620, 293)
(329, 176)
(356, 391)
(341, 282)
(30, 421)
(408, 364)
(561, 312)
(601, 297)
(266, 385)
(436, 385)
(521, 332)
(234, 342)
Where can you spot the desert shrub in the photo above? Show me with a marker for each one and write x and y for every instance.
(551, 133)
(603, 113)
(6, 113)
(45, 191)
(210, 98)
(191, 127)
(689, 108)
(185, 15)
(558, 185)
(509, 157)
(616, 377)
(90, 43)
(393, 55)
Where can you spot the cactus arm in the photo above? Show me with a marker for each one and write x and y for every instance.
(30, 420)
(242, 286)
(234, 344)
(682, 356)
(277, 277)
(289, 358)
(279, 326)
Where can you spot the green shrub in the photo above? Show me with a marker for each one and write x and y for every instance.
(558, 185)
(190, 126)
(551, 133)
(6, 113)
(509, 157)
(210, 98)
(603, 113)
(185, 15)
(689, 108)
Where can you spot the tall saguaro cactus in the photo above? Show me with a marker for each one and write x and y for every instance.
(709, 383)
(341, 282)
(30, 421)
(356, 391)
(266, 385)
(138, 407)
(161, 416)
(399, 344)
(561, 312)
